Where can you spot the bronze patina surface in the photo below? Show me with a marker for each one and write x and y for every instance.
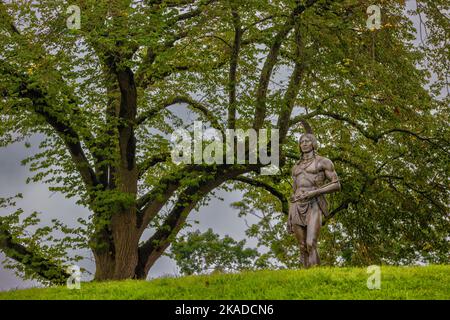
(313, 176)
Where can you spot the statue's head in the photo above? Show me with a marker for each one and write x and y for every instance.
(307, 142)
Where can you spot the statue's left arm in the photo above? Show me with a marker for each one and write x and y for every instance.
(333, 185)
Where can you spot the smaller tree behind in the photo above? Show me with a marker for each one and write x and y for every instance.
(197, 253)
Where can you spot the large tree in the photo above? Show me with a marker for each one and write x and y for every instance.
(105, 97)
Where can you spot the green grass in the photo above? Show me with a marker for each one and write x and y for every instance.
(431, 282)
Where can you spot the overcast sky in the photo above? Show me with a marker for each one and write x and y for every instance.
(218, 215)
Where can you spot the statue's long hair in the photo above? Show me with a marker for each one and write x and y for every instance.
(311, 137)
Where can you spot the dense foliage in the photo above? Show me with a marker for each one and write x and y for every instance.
(197, 253)
(107, 97)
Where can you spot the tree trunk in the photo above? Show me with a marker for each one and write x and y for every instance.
(104, 265)
(126, 242)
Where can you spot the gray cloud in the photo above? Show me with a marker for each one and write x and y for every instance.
(218, 215)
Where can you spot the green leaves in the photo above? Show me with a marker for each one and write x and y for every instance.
(366, 94)
(34, 251)
(197, 253)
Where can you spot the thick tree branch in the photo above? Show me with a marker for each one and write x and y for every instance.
(258, 22)
(127, 115)
(272, 57)
(152, 161)
(369, 180)
(195, 105)
(194, 13)
(317, 111)
(269, 188)
(65, 131)
(417, 136)
(151, 203)
(374, 136)
(42, 107)
(31, 259)
(143, 78)
(414, 188)
(294, 84)
(7, 20)
(172, 224)
(169, 3)
(153, 248)
(232, 76)
(350, 200)
(303, 120)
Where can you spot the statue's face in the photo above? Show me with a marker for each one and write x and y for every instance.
(306, 145)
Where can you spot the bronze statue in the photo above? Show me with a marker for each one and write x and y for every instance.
(308, 203)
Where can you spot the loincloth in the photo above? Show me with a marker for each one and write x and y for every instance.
(300, 213)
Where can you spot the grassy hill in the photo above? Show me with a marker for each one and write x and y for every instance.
(431, 282)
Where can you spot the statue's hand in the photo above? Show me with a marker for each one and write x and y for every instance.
(307, 195)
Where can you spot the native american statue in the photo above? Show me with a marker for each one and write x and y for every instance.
(308, 203)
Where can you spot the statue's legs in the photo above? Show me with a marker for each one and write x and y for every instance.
(301, 235)
(314, 224)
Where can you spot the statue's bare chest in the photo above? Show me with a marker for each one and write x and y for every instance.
(308, 173)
